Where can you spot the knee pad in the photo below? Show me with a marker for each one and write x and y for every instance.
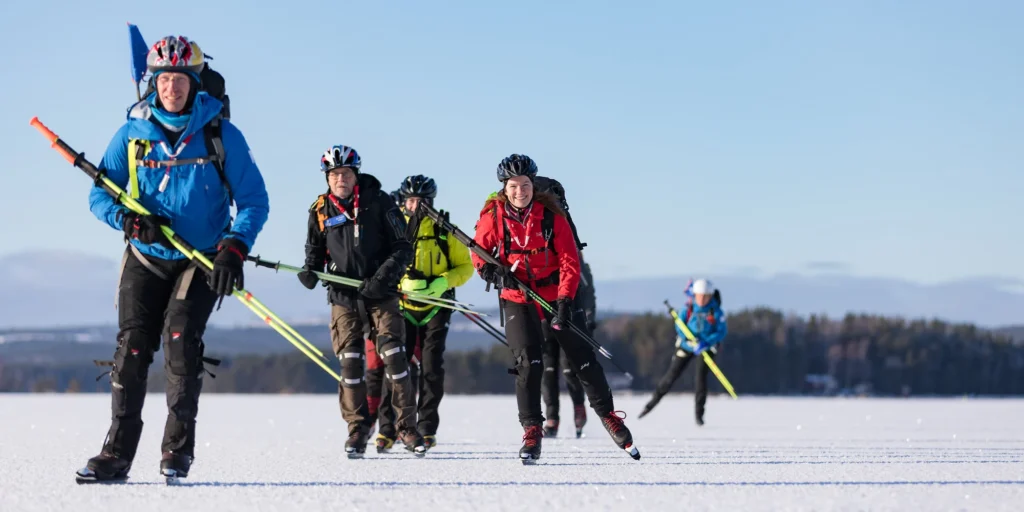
(131, 358)
(184, 351)
(184, 354)
(351, 368)
(396, 361)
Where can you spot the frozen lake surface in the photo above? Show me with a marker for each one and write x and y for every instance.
(280, 452)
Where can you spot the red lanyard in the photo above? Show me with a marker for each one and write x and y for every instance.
(355, 208)
(528, 224)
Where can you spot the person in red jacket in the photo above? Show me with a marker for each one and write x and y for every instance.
(531, 238)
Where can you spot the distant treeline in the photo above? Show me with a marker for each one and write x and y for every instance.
(766, 352)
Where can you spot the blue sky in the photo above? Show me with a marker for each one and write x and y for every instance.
(876, 138)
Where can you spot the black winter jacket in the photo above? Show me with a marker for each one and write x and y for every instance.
(381, 252)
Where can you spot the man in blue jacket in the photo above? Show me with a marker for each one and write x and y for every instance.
(169, 158)
(706, 321)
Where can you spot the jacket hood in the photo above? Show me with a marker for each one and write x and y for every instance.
(368, 183)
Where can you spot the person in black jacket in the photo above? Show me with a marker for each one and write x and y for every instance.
(554, 356)
(357, 231)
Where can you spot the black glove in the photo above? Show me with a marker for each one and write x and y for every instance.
(498, 275)
(145, 228)
(227, 267)
(374, 289)
(563, 314)
(308, 278)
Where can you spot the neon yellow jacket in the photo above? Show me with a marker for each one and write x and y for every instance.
(429, 261)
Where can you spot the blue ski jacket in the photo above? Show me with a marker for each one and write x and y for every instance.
(193, 197)
(707, 324)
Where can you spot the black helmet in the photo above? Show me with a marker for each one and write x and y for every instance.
(516, 165)
(418, 186)
(396, 196)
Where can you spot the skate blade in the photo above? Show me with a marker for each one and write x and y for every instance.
(354, 455)
(172, 477)
(419, 451)
(87, 476)
(633, 452)
(528, 459)
(579, 433)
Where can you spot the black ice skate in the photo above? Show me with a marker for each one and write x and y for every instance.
(620, 434)
(530, 451)
(175, 466)
(355, 446)
(104, 468)
(551, 428)
(413, 441)
(650, 406)
(580, 417)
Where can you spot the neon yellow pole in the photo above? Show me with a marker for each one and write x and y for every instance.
(692, 341)
(355, 283)
(275, 322)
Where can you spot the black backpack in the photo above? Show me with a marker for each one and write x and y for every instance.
(211, 82)
(553, 187)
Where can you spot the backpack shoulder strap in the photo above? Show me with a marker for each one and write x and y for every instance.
(689, 313)
(137, 149)
(547, 228)
(321, 213)
(441, 238)
(575, 234)
(215, 145)
(499, 224)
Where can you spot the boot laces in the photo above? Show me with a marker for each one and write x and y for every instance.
(614, 422)
(533, 435)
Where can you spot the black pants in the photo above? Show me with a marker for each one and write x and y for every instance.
(385, 412)
(150, 306)
(675, 369)
(431, 338)
(555, 362)
(526, 340)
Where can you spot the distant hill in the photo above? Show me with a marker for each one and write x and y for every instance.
(68, 345)
(64, 289)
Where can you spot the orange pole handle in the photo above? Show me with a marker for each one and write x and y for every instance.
(52, 137)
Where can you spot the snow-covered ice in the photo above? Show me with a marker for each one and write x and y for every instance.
(284, 452)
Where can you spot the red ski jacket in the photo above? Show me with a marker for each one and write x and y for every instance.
(548, 260)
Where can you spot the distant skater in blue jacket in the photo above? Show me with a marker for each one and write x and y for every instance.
(706, 321)
(186, 163)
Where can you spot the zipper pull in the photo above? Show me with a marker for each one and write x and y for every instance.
(165, 180)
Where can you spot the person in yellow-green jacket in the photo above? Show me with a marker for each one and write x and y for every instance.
(441, 264)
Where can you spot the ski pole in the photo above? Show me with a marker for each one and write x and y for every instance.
(487, 257)
(99, 178)
(488, 328)
(692, 342)
(355, 283)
